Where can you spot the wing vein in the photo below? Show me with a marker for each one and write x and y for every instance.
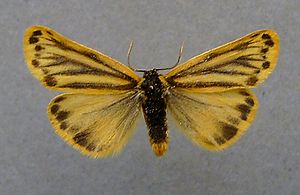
(81, 85)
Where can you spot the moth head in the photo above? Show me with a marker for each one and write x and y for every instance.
(150, 74)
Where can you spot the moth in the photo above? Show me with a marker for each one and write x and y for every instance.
(209, 95)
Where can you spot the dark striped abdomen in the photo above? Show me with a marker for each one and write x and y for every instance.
(154, 109)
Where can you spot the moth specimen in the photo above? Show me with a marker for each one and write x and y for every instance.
(208, 95)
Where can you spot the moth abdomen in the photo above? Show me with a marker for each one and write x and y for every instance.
(154, 109)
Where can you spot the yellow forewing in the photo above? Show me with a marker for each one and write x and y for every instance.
(213, 120)
(243, 63)
(96, 125)
(62, 64)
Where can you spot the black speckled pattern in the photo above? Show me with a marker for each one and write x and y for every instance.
(154, 106)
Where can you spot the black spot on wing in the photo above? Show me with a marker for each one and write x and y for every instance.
(81, 138)
(33, 40)
(38, 48)
(54, 109)
(249, 101)
(266, 36)
(245, 110)
(228, 131)
(252, 81)
(62, 115)
(266, 65)
(35, 63)
(59, 99)
(269, 43)
(63, 125)
(264, 50)
(37, 33)
(50, 81)
(244, 116)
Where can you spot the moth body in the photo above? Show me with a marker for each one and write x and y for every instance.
(154, 108)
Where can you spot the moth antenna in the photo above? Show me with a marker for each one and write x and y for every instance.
(180, 53)
(128, 54)
(178, 59)
(128, 58)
